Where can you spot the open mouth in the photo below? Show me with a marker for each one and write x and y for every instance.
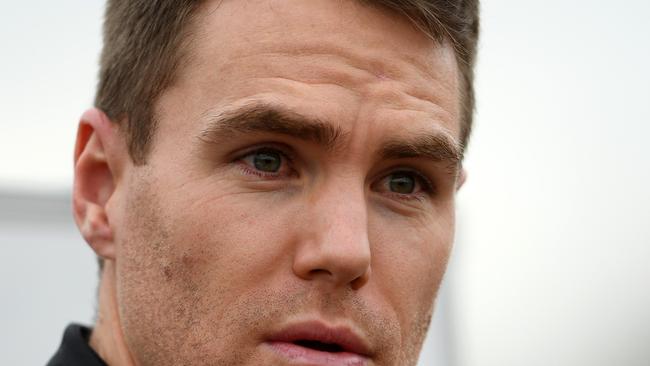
(319, 346)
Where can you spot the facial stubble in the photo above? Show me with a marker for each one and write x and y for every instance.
(169, 318)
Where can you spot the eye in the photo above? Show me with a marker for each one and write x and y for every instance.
(404, 184)
(266, 162)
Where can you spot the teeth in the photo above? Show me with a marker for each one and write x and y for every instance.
(319, 346)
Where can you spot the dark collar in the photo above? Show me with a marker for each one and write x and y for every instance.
(75, 350)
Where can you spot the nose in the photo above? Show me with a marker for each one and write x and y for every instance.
(334, 247)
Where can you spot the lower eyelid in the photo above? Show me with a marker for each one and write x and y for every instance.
(405, 197)
(248, 170)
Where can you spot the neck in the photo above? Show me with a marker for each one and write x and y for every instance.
(107, 338)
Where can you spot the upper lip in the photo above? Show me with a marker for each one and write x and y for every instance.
(317, 331)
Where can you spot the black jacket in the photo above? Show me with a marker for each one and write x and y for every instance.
(75, 350)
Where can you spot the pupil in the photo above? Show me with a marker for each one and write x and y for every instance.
(267, 161)
(402, 183)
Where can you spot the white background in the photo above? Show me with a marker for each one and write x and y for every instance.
(551, 263)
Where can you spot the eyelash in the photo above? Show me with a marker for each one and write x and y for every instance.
(288, 158)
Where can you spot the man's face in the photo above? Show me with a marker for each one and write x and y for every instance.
(297, 206)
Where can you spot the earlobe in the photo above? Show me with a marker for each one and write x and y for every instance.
(96, 170)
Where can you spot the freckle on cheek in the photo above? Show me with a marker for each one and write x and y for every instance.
(167, 271)
(187, 261)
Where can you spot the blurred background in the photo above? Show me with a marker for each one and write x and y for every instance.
(552, 258)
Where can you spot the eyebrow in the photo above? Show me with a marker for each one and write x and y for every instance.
(266, 118)
(436, 145)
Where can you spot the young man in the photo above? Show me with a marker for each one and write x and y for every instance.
(272, 182)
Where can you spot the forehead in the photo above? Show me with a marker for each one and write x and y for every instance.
(317, 53)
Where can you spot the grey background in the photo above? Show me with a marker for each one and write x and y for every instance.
(551, 259)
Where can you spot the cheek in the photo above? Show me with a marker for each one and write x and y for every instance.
(188, 259)
(233, 242)
(409, 261)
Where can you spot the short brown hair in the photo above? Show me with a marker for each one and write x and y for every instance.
(144, 46)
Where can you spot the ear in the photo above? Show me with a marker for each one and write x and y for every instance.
(98, 161)
(462, 177)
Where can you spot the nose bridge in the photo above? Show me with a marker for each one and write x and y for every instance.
(336, 248)
(341, 209)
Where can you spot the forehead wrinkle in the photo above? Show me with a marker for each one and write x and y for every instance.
(359, 69)
(371, 60)
(402, 99)
(307, 67)
(355, 77)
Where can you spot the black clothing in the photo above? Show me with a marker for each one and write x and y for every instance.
(75, 350)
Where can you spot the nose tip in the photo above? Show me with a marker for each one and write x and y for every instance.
(335, 247)
(339, 264)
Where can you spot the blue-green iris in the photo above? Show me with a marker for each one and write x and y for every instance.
(402, 183)
(267, 161)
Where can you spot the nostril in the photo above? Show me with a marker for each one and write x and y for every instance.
(318, 271)
(360, 281)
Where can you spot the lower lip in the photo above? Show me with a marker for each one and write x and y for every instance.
(299, 355)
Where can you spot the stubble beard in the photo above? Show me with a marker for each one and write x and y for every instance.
(172, 321)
